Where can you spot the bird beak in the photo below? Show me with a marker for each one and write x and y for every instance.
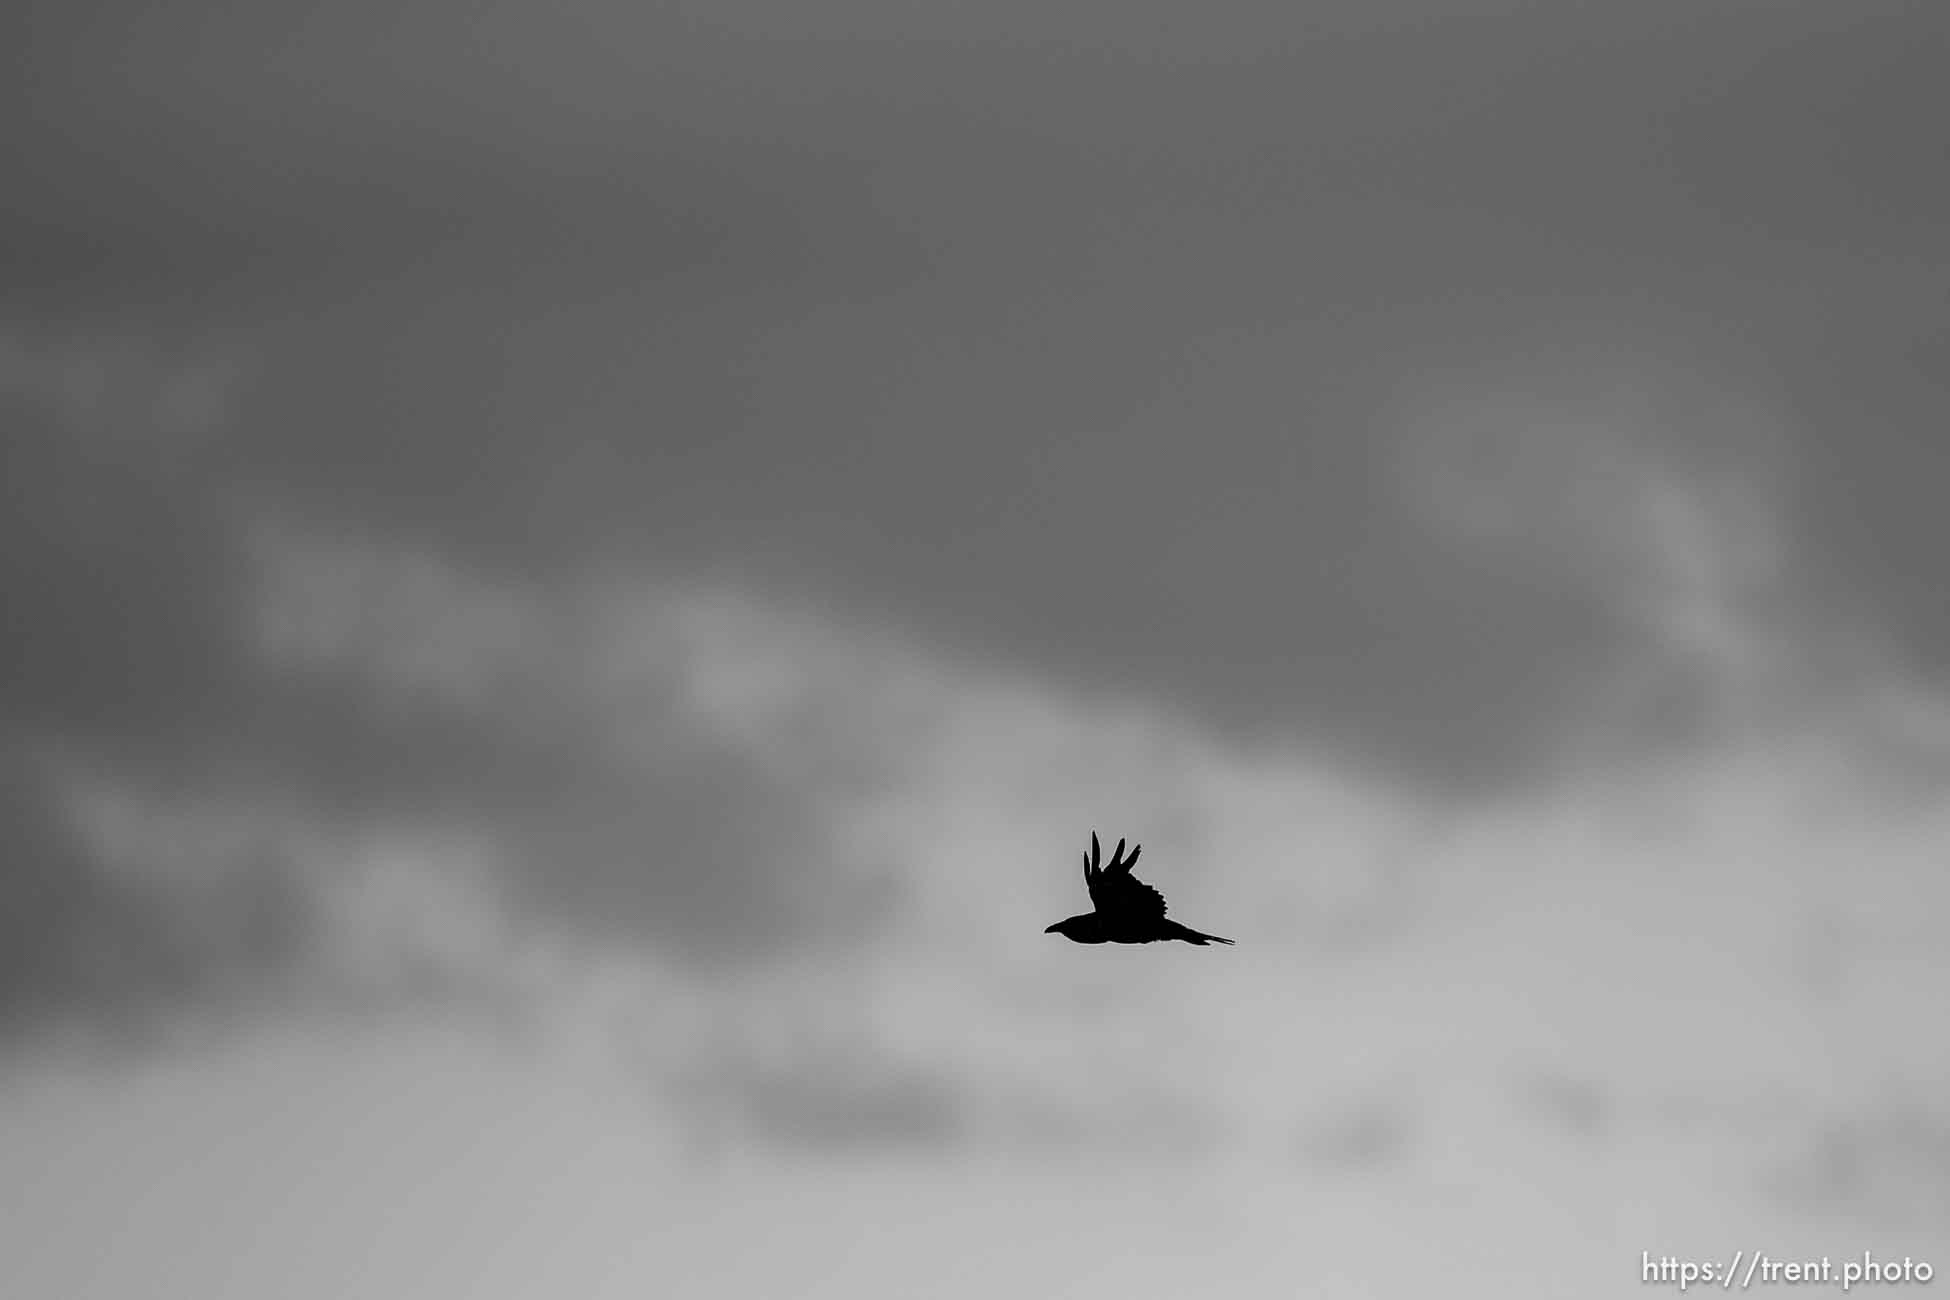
(1051, 929)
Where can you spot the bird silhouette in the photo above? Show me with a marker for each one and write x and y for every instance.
(1127, 909)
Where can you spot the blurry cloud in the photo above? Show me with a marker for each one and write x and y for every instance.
(671, 527)
(788, 862)
(1370, 1130)
(473, 805)
(1668, 502)
(1885, 1160)
(83, 947)
(426, 783)
(820, 312)
(1572, 1105)
(99, 384)
(838, 1101)
(116, 557)
(116, 572)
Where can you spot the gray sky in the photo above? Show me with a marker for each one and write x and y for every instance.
(640, 540)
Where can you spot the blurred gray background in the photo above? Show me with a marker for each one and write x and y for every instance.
(577, 575)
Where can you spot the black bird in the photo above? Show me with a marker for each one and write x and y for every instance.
(1128, 910)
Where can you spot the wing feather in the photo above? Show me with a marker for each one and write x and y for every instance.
(1114, 891)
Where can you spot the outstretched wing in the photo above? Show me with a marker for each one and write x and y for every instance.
(1114, 891)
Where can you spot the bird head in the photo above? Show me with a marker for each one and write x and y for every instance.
(1072, 927)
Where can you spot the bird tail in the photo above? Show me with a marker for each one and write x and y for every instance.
(1192, 936)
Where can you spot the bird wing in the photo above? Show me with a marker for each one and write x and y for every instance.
(1114, 891)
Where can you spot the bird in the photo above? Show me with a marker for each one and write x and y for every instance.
(1127, 909)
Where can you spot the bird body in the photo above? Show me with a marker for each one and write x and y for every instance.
(1126, 909)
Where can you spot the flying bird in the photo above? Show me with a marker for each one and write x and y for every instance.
(1127, 909)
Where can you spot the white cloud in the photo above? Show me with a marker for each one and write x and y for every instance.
(1656, 492)
(1633, 926)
